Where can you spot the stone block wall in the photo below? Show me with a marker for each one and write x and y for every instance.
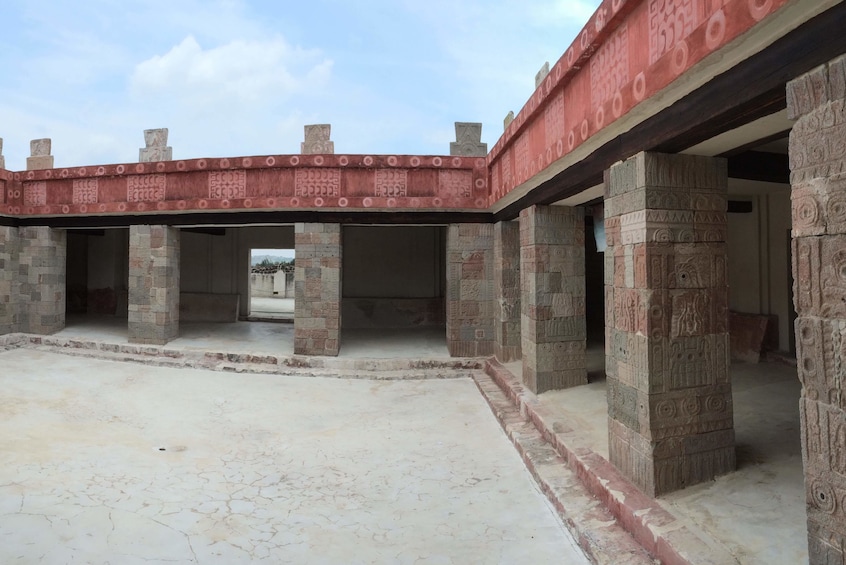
(317, 289)
(506, 304)
(470, 294)
(9, 291)
(817, 101)
(667, 354)
(153, 284)
(42, 270)
(552, 274)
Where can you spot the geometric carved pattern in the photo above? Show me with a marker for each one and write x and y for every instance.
(455, 183)
(311, 182)
(671, 21)
(35, 193)
(227, 184)
(521, 157)
(145, 188)
(609, 67)
(391, 183)
(85, 191)
(553, 118)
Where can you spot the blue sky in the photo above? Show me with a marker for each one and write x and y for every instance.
(242, 77)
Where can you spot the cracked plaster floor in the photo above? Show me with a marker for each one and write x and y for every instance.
(257, 468)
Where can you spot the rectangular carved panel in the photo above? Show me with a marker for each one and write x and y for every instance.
(145, 188)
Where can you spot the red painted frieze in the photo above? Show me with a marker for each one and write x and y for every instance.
(274, 182)
(628, 51)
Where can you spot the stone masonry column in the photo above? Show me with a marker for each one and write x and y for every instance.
(670, 419)
(42, 261)
(9, 284)
(507, 291)
(42, 267)
(817, 101)
(317, 289)
(470, 297)
(153, 284)
(552, 281)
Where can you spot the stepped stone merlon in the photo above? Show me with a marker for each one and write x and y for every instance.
(468, 137)
(317, 140)
(40, 157)
(156, 147)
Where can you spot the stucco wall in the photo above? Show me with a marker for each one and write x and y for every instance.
(219, 264)
(393, 276)
(758, 254)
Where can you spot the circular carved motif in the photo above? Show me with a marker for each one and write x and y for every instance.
(716, 30)
(823, 496)
(715, 403)
(665, 409)
(760, 8)
(691, 406)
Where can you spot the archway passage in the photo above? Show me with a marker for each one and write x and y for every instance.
(394, 286)
(271, 295)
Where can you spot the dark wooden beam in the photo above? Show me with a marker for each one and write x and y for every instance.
(752, 89)
(209, 230)
(761, 166)
(91, 232)
(256, 217)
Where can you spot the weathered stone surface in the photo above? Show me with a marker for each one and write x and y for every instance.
(41, 279)
(818, 163)
(667, 354)
(317, 140)
(552, 282)
(317, 289)
(153, 284)
(2, 162)
(541, 74)
(9, 284)
(156, 147)
(468, 140)
(470, 290)
(509, 117)
(507, 322)
(40, 157)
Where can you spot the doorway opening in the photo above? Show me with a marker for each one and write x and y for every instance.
(271, 285)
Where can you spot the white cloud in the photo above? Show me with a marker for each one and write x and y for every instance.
(239, 72)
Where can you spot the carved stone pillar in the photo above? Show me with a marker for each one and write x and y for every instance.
(470, 296)
(153, 284)
(552, 283)
(317, 289)
(817, 101)
(669, 396)
(507, 291)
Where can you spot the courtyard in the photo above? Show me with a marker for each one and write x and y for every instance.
(110, 462)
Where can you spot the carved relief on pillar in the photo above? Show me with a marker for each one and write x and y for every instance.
(819, 274)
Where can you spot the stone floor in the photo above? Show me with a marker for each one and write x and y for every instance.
(757, 514)
(262, 308)
(124, 463)
(271, 338)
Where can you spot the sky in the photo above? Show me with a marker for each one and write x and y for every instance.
(242, 77)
